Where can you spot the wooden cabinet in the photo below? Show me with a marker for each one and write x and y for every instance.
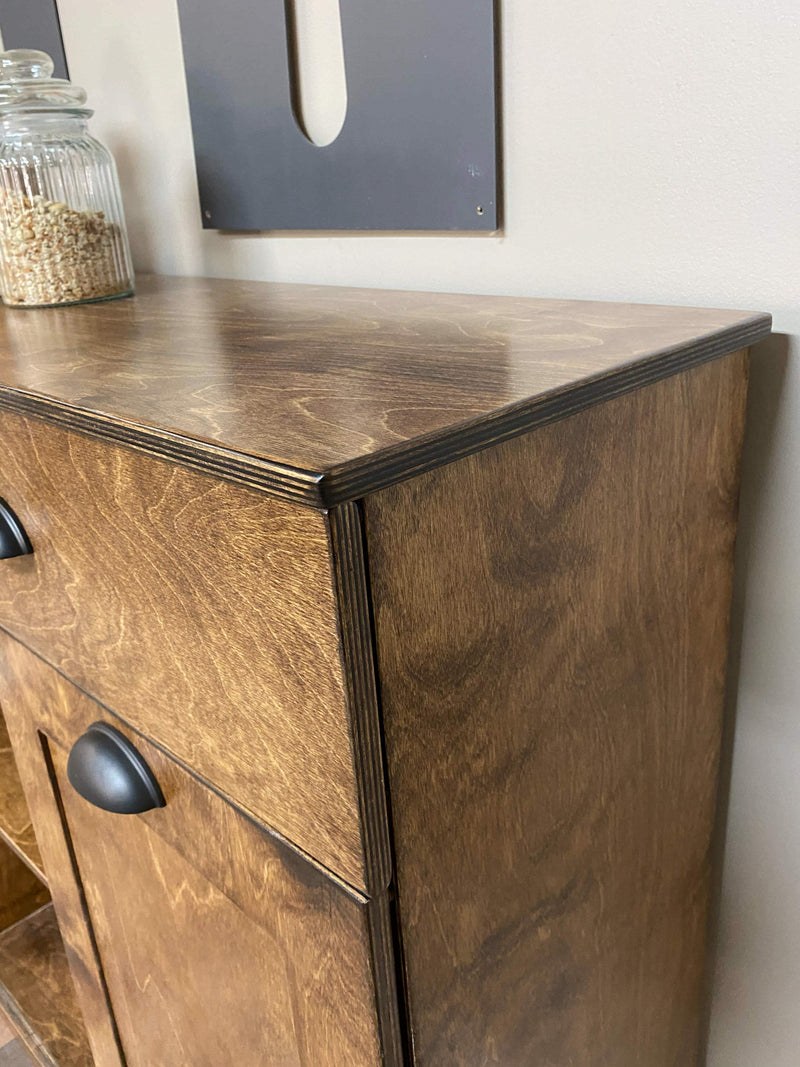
(415, 606)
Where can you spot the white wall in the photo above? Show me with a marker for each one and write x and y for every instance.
(652, 152)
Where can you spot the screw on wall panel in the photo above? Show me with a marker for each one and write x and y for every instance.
(479, 209)
(207, 214)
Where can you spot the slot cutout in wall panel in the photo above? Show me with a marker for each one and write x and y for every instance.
(316, 68)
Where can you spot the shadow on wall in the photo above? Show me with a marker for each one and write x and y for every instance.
(768, 367)
(136, 195)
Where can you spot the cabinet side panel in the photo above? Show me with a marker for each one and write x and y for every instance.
(552, 621)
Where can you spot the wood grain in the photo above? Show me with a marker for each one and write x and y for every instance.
(220, 943)
(32, 698)
(323, 394)
(15, 821)
(213, 935)
(37, 994)
(551, 619)
(202, 612)
(358, 653)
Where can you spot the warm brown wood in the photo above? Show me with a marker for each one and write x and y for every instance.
(15, 821)
(221, 942)
(323, 394)
(358, 653)
(350, 568)
(29, 691)
(216, 941)
(551, 619)
(37, 994)
(202, 612)
(21, 892)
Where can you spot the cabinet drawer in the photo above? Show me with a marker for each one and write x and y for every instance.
(200, 611)
(212, 941)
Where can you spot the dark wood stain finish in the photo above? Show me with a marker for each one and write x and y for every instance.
(551, 620)
(30, 695)
(201, 916)
(37, 994)
(323, 394)
(359, 672)
(201, 612)
(21, 892)
(459, 722)
(347, 537)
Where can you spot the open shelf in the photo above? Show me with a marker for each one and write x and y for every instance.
(37, 993)
(15, 822)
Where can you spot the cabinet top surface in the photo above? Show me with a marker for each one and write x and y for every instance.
(321, 393)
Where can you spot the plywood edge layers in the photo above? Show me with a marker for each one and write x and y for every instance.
(354, 479)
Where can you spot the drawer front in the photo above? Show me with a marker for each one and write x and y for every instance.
(200, 611)
(214, 943)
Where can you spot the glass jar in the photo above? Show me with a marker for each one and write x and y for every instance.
(62, 228)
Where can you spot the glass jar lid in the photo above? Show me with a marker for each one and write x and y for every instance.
(27, 84)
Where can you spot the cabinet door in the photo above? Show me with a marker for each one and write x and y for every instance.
(197, 939)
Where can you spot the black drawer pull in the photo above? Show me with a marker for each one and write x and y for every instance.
(106, 770)
(13, 539)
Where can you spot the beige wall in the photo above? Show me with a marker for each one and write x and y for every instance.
(652, 153)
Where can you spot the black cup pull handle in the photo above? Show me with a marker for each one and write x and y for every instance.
(107, 770)
(13, 539)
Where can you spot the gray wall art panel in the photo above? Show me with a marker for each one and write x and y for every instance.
(418, 147)
(34, 24)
